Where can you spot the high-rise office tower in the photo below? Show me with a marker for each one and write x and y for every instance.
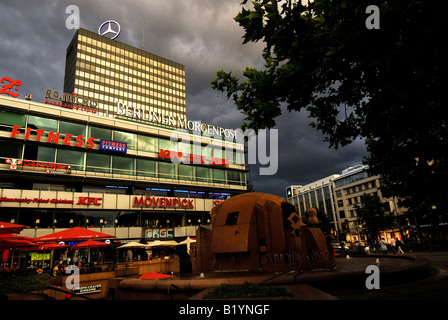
(110, 71)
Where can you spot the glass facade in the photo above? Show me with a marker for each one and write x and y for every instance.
(130, 164)
(109, 71)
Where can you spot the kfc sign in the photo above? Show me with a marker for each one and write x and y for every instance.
(89, 200)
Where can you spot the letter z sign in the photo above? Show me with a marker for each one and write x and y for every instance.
(89, 200)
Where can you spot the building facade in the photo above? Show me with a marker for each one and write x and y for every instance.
(343, 192)
(114, 150)
(113, 72)
(62, 168)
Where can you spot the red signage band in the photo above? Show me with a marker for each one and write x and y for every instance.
(81, 200)
(167, 154)
(53, 137)
(47, 165)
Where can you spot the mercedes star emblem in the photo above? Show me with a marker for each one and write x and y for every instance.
(109, 32)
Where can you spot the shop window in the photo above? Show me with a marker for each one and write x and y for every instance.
(45, 124)
(146, 143)
(186, 172)
(39, 153)
(203, 174)
(165, 144)
(123, 165)
(74, 158)
(74, 129)
(219, 176)
(10, 119)
(98, 162)
(167, 170)
(69, 218)
(234, 177)
(36, 218)
(126, 137)
(146, 168)
(11, 150)
(99, 133)
(100, 219)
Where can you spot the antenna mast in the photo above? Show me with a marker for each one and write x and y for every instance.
(143, 40)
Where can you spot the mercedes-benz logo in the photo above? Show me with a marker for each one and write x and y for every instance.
(110, 32)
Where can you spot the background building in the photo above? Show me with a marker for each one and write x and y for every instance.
(337, 195)
(109, 71)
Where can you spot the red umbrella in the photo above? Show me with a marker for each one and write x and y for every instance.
(155, 275)
(91, 244)
(76, 233)
(18, 244)
(6, 227)
(14, 237)
(52, 246)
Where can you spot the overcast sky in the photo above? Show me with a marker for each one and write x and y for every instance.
(201, 34)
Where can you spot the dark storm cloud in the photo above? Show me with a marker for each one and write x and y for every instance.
(201, 34)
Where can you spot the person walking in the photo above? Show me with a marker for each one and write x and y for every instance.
(393, 245)
(399, 244)
(383, 246)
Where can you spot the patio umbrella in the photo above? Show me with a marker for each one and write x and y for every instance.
(76, 233)
(10, 236)
(133, 245)
(155, 275)
(6, 227)
(53, 246)
(159, 243)
(17, 244)
(91, 244)
(187, 242)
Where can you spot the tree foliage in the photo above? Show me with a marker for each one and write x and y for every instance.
(373, 214)
(384, 85)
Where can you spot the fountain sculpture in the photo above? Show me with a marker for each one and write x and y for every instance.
(259, 231)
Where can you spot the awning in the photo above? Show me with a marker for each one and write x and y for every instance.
(76, 233)
(155, 275)
(18, 244)
(6, 227)
(91, 244)
(158, 243)
(133, 245)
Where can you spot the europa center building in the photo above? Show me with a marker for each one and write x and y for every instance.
(113, 150)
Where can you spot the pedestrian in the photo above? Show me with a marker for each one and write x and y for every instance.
(399, 244)
(383, 246)
(393, 244)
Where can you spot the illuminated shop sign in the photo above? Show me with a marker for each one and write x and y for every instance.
(95, 288)
(48, 166)
(54, 137)
(115, 146)
(192, 158)
(163, 202)
(36, 200)
(81, 200)
(71, 101)
(179, 123)
(8, 85)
